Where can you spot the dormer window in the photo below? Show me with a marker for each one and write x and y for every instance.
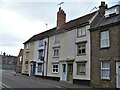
(112, 11)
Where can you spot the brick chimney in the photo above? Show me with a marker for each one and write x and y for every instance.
(102, 8)
(61, 17)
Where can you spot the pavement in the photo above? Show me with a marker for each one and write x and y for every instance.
(57, 84)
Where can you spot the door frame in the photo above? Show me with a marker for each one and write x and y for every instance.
(117, 64)
(68, 63)
(62, 72)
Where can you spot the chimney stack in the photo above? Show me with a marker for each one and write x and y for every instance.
(61, 17)
(102, 8)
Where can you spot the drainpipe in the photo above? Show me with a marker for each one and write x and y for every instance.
(44, 57)
(47, 57)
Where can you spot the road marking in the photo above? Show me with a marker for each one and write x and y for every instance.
(6, 86)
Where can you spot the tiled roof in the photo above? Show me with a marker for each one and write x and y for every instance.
(103, 21)
(67, 26)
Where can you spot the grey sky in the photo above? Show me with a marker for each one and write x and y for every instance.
(21, 19)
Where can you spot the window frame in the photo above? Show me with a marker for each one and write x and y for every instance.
(80, 30)
(55, 68)
(102, 77)
(41, 43)
(56, 52)
(40, 68)
(79, 45)
(56, 38)
(27, 56)
(79, 70)
(106, 38)
(39, 53)
(28, 46)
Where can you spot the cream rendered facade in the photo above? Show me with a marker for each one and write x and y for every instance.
(36, 58)
(66, 52)
(29, 51)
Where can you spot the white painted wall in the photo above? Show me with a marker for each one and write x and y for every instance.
(83, 57)
(36, 53)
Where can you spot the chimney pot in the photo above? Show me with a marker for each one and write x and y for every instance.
(61, 17)
(102, 8)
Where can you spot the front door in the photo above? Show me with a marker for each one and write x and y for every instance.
(64, 72)
(34, 68)
(70, 72)
(118, 74)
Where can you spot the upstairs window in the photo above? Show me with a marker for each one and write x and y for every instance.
(81, 49)
(104, 41)
(27, 56)
(28, 45)
(57, 38)
(55, 52)
(41, 43)
(81, 31)
(40, 54)
(112, 11)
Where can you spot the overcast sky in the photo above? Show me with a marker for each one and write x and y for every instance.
(21, 19)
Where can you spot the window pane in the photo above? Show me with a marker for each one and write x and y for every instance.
(105, 69)
(83, 51)
(83, 31)
(41, 43)
(105, 73)
(81, 68)
(105, 64)
(105, 39)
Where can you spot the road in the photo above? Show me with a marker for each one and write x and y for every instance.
(12, 81)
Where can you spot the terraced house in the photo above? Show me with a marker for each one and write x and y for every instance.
(105, 48)
(70, 51)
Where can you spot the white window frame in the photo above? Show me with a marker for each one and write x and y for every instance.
(105, 68)
(40, 68)
(56, 38)
(28, 45)
(56, 52)
(26, 67)
(104, 39)
(27, 56)
(56, 69)
(81, 31)
(41, 43)
(78, 45)
(42, 51)
(81, 72)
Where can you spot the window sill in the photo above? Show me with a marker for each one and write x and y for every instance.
(104, 48)
(81, 36)
(81, 74)
(106, 79)
(54, 72)
(55, 57)
(81, 54)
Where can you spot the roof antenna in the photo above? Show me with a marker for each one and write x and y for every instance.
(60, 4)
(93, 9)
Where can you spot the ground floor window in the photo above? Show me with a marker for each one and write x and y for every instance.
(81, 68)
(105, 70)
(39, 69)
(55, 68)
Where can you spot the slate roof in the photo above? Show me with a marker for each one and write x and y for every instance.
(100, 22)
(64, 28)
